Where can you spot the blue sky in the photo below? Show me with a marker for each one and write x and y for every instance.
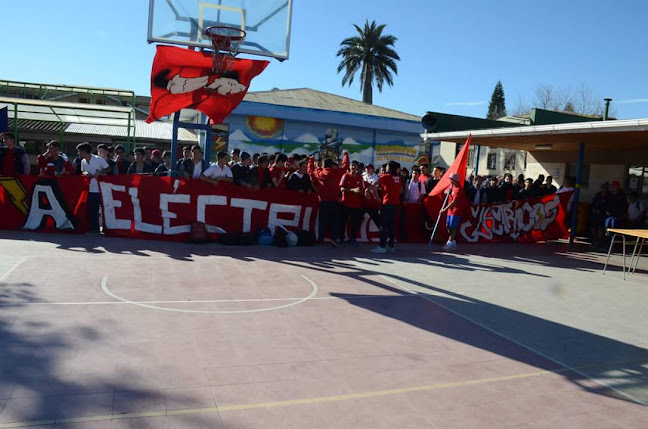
(452, 52)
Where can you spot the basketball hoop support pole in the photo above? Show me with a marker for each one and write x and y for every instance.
(174, 143)
(190, 126)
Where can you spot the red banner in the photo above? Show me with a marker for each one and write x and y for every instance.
(164, 208)
(44, 204)
(137, 206)
(522, 221)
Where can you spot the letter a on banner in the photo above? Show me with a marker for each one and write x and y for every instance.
(45, 203)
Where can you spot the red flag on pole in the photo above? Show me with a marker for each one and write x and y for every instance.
(183, 79)
(434, 200)
(459, 166)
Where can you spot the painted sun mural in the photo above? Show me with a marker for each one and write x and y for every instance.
(263, 127)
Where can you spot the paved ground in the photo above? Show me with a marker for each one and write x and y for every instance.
(111, 333)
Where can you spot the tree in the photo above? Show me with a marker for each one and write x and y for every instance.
(371, 53)
(580, 101)
(497, 106)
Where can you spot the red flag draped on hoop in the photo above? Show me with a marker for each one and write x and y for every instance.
(183, 79)
(459, 166)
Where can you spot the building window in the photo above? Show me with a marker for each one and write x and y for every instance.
(638, 179)
(510, 161)
(525, 159)
(101, 101)
(471, 157)
(83, 100)
(471, 154)
(491, 161)
(572, 170)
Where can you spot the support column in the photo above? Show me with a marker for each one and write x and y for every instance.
(209, 138)
(577, 186)
(174, 142)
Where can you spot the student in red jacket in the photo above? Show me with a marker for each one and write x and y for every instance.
(327, 180)
(353, 188)
(278, 172)
(391, 187)
(52, 164)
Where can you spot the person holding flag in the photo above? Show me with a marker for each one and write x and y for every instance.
(451, 185)
(457, 203)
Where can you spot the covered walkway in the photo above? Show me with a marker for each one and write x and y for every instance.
(604, 142)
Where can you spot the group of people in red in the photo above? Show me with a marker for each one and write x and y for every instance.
(346, 191)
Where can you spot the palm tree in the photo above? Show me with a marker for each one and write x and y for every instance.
(372, 53)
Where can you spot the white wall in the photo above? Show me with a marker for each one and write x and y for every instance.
(448, 153)
(601, 173)
(555, 169)
(502, 155)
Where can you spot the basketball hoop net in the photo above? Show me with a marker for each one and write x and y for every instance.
(226, 42)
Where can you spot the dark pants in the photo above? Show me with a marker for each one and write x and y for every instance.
(374, 214)
(387, 221)
(355, 215)
(402, 224)
(329, 215)
(93, 210)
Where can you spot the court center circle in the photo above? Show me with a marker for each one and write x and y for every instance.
(107, 291)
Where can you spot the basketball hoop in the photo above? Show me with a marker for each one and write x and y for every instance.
(225, 42)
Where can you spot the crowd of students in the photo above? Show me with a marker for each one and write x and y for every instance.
(346, 191)
(612, 208)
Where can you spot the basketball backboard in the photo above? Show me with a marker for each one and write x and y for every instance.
(182, 22)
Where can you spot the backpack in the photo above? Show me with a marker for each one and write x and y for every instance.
(281, 237)
(264, 237)
(305, 238)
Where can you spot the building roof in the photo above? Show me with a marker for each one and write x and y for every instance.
(62, 112)
(313, 99)
(154, 131)
(619, 135)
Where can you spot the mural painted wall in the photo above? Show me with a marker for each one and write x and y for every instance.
(399, 147)
(256, 134)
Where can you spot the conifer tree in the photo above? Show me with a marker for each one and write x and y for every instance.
(497, 106)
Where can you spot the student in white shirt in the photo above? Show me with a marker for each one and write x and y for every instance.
(636, 210)
(415, 188)
(92, 166)
(218, 172)
(370, 175)
(193, 167)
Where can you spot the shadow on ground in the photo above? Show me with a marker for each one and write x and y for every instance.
(34, 385)
(621, 366)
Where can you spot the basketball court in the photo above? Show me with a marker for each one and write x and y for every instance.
(103, 332)
(108, 333)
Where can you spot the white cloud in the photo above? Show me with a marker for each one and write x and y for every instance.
(253, 148)
(307, 138)
(349, 141)
(300, 151)
(633, 100)
(239, 135)
(365, 156)
(466, 103)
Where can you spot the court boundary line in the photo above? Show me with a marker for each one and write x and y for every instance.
(303, 401)
(206, 301)
(575, 369)
(14, 268)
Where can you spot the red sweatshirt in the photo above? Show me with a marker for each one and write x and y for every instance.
(352, 200)
(327, 180)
